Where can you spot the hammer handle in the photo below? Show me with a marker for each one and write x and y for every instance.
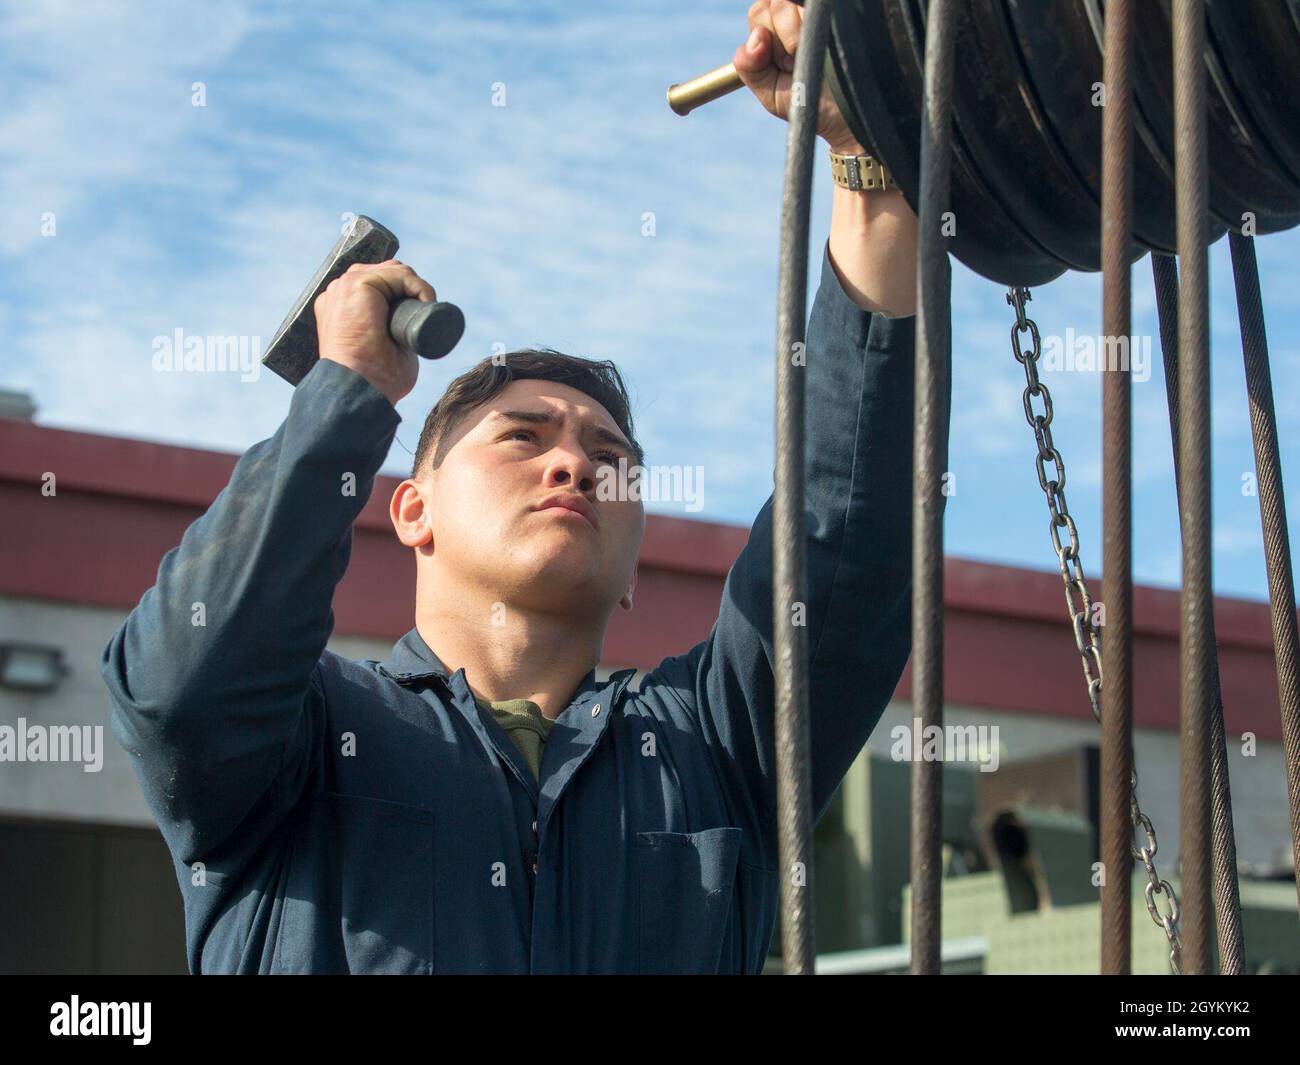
(685, 97)
(430, 330)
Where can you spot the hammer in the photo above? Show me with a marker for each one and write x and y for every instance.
(430, 330)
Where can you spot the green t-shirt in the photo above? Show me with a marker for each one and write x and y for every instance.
(525, 724)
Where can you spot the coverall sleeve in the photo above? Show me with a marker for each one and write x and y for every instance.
(858, 500)
(212, 677)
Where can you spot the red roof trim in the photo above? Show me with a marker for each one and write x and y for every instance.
(121, 504)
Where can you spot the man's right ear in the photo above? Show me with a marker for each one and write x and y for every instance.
(409, 515)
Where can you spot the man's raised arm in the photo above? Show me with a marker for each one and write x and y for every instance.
(211, 675)
(858, 491)
(858, 498)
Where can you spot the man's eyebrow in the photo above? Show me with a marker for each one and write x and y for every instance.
(538, 417)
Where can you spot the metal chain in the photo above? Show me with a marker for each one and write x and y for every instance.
(1086, 634)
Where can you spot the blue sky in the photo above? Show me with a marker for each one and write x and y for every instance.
(529, 217)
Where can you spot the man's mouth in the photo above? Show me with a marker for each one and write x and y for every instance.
(570, 504)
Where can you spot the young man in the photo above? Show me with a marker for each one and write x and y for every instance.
(492, 807)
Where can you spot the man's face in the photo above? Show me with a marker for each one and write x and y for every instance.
(533, 441)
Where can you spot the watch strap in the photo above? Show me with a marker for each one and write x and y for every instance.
(861, 173)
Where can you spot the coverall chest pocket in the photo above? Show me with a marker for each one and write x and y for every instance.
(360, 891)
(686, 883)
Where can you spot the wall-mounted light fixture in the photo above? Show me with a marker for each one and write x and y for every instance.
(31, 667)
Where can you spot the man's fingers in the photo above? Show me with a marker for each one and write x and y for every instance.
(786, 20)
(782, 20)
(401, 281)
(755, 66)
(394, 279)
(760, 16)
(359, 268)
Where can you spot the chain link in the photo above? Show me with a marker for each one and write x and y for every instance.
(1087, 636)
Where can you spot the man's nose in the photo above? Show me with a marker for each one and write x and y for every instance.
(569, 465)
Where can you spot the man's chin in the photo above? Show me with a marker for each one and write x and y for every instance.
(563, 572)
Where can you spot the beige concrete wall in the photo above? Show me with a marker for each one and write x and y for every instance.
(67, 790)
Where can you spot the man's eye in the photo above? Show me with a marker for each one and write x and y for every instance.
(611, 456)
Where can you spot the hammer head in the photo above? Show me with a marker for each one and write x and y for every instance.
(293, 350)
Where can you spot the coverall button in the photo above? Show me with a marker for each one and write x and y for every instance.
(595, 710)
(534, 827)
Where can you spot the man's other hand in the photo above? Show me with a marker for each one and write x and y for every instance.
(765, 62)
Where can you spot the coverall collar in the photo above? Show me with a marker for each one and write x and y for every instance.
(413, 660)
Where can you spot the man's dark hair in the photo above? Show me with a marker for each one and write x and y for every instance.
(599, 379)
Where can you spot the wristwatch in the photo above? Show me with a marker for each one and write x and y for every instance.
(861, 173)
